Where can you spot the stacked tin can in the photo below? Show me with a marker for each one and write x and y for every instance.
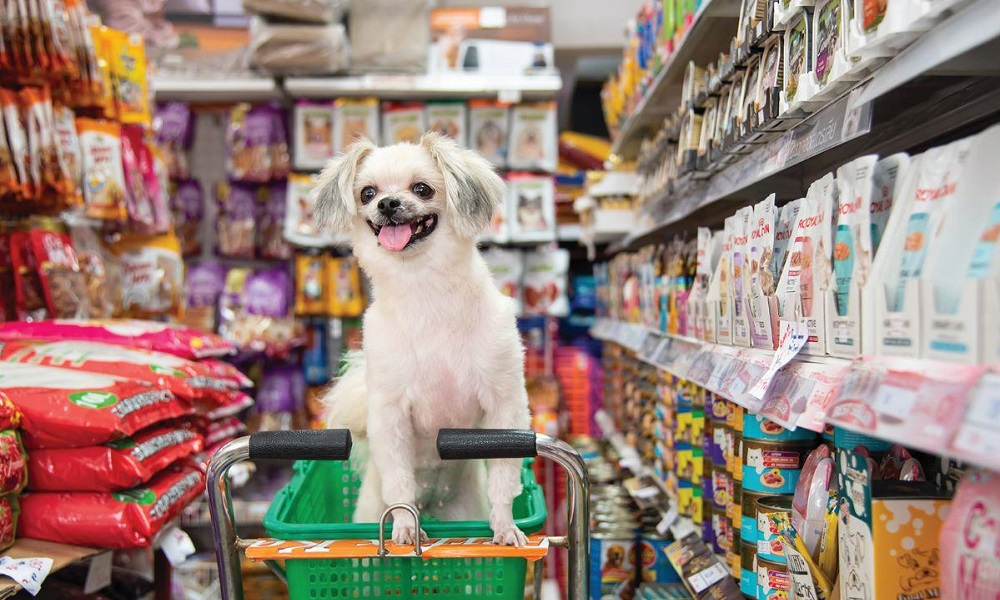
(718, 479)
(771, 459)
(690, 461)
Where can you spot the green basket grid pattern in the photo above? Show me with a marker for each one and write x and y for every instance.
(296, 514)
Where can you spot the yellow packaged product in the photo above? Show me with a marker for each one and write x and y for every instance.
(102, 87)
(128, 70)
(345, 297)
(312, 288)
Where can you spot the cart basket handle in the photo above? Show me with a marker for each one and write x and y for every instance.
(308, 444)
(462, 444)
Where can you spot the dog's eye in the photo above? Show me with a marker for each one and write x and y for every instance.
(422, 190)
(367, 194)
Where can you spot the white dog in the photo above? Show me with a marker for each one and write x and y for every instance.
(441, 347)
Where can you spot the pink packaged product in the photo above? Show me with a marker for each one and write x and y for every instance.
(970, 540)
(178, 340)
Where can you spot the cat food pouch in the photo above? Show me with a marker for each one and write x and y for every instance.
(117, 520)
(117, 465)
(852, 246)
(103, 177)
(354, 118)
(783, 231)
(488, 126)
(885, 182)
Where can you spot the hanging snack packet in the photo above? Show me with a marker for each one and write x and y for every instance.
(128, 68)
(345, 296)
(153, 275)
(174, 127)
(114, 466)
(102, 283)
(148, 335)
(13, 463)
(63, 284)
(205, 283)
(188, 205)
(68, 148)
(248, 140)
(68, 409)
(8, 176)
(29, 299)
(119, 520)
(17, 137)
(103, 178)
(33, 129)
(236, 224)
(311, 284)
(137, 201)
(354, 118)
(271, 242)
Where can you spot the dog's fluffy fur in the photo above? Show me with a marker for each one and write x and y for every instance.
(441, 347)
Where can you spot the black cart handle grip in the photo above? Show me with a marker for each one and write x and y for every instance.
(459, 444)
(306, 444)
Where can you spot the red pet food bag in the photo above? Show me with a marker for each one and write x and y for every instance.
(160, 337)
(71, 409)
(114, 466)
(118, 520)
(184, 378)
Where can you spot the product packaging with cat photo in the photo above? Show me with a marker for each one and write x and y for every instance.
(879, 29)
(960, 288)
(762, 305)
(488, 127)
(927, 193)
(531, 207)
(740, 276)
(719, 300)
(533, 137)
(706, 259)
(354, 118)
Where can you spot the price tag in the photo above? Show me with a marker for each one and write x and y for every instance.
(663, 527)
(509, 96)
(984, 409)
(703, 580)
(893, 401)
(763, 547)
(793, 336)
(98, 573)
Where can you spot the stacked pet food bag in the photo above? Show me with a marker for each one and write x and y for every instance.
(118, 419)
(784, 487)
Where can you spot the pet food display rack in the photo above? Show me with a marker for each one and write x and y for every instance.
(320, 553)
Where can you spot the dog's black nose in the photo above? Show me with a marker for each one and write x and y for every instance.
(388, 206)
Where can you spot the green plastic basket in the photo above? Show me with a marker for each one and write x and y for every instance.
(299, 512)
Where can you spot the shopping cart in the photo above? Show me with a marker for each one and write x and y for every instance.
(449, 566)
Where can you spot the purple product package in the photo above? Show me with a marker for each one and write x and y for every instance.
(188, 206)
(271, 239)
(268, 292)
(236, 224)
(281, 395)
(205, 282)
(249, 138)
(174, 127)
(281, 162)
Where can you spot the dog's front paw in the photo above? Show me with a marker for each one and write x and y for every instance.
(404, 531)
(509, 535)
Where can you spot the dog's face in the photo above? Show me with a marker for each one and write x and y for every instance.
(408, 200)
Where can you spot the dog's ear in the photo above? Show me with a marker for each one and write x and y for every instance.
(335, 203)
(474, 190)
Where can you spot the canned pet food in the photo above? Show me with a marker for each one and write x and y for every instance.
(717, 442)
(773, 582)
(655, 568)
(748, 516)
(756, 427)
(772, 513)
(721, 537)
(734, 417)
(773, 467)
(733, 561)
(612, 563)
(720, 488)
(708, 534)
(737, 470)
(748, 570)
(735, 507)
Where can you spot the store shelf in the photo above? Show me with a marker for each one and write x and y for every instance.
(942, 408)
(216, 90)
(709, 34)
(509, 88)
(61, 555)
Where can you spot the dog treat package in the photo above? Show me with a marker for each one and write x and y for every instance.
(128, 68)
(402, 122)
(970, 559)
(63, 285)
(281, 156)
(544, 292)
(488, 127)
(533, 131)
(313, 134)
(29, 297)
(101, 275)
(13, 463)
(354, 118)
(311, 284)
(271, 242)
(188, 205)
(345, 298)
(158, 337)
(118, 520)
(236, 224)
(153, 275)
(448, 118)
(62, 408)
(17, 137)
(531, 207)
(264, 322)
(103, 177)
(249, 139)
(506, 266)
(280, 399)
(174, 128)
(185, 379)
(301, 227)
(231, 300)
(117, 465)
(203, 283)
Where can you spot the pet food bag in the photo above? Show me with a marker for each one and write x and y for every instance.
(402, 122)
(118, 520)
(301, 227)
(271, 243)
(448, 118)
(345, 298)
(174, 127)
(354, 118)
(236, 226)
(313, 122)
(311, 284)
(204, 284)
(506, 266)
(488, 127)
(545, 273)
(114, 466)
(188, 205)
(153, 275)
(533, 131)
(159, 337)
(531, 207)
(62, 408)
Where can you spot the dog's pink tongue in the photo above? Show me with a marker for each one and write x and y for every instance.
(395, 237)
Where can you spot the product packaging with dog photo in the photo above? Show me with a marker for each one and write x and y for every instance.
(402, 122)
(447, 117)
(354, 118)
(313, 127)
(533, 137)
